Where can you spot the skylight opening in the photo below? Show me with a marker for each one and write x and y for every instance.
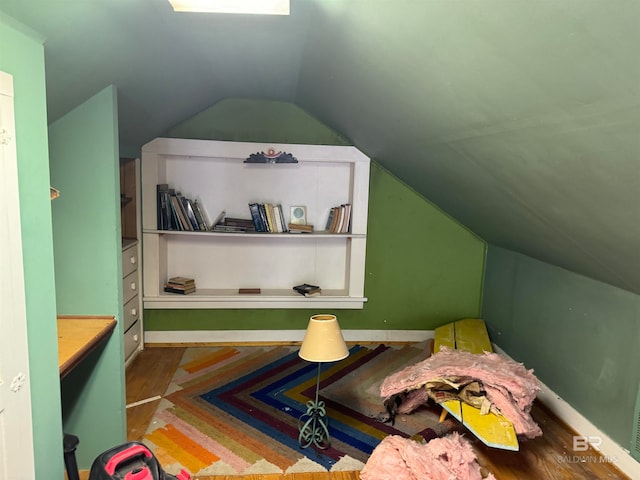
(260, 7)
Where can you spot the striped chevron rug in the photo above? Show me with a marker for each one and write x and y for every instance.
(235, 411)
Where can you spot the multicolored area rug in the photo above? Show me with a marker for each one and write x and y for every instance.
(234, 411)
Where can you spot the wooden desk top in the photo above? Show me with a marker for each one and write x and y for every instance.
(78, 336)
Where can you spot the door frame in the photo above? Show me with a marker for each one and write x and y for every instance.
(16, 428)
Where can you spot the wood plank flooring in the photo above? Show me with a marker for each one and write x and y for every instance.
(549, 457)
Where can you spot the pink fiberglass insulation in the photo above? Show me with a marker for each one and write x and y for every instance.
(445, 458)
(509, 386)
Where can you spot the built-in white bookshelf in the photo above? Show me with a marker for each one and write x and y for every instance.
(215, 174)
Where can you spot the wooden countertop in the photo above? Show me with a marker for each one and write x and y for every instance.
(78, 336)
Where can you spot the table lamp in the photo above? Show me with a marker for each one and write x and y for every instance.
(323, 342)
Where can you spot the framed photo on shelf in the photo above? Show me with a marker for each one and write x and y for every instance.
(298, 215)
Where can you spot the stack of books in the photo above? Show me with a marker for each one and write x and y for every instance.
(299, 228)
(182, 285)
(234, 225)
(308, 290)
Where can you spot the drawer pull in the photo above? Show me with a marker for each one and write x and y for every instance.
(133, 285)
(135, 337)
(134, 312)
(132, 260)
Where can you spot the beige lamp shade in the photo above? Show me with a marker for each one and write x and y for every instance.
(323, 341)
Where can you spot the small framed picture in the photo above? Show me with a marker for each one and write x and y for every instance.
(298, 215)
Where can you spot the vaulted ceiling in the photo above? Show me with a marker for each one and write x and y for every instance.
(519, 118)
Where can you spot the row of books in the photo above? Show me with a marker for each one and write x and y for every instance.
(339, 219)
(267, 217)
(181, 285)
(177, 212)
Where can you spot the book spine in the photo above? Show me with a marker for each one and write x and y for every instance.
(180, 220)
(188, 206)
(277, 226)
(185, 217)
(336, 220)
(182, 281)
(167, 220)
(177, 290)
(269, 211)
(263, 216)
(347, 220)
(340, 225)
(280, 216)
(254, 209)
(239, 222)
(177, 286)
(201, 218)
(332, 212)
(159, 206)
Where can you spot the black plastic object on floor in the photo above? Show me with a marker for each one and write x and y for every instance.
(70, 443)
(131, 461)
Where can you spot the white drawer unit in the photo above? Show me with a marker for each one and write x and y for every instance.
(131, 249)
(130, 286)
(132, 340)
(131, 312)
(129, 260)
(131, 322)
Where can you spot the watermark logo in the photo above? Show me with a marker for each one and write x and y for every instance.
(581, 443)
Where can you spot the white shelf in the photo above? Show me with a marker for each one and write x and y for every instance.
(215, 174)
(229, 298)
(248, 235)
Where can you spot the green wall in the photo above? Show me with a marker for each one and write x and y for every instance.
(422, 270)
(243, 119)
(88, 267)
(580, 336)
(25, 61)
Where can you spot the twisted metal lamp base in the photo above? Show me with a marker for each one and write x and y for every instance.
(313, 424)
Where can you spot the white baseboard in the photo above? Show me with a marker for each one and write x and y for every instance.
(611, 451)
(279, 336)
(608, 448)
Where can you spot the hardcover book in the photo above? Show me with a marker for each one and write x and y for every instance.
(307, 289)
(296, 228)
(218, 219)
(249, 291)
(254, 208)
(183, 291)
(191, 215)
(182, 280)
(283, 224)
(163, 209)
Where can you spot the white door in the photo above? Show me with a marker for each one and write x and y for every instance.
(16, 434)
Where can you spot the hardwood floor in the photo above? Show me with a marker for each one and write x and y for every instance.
(549, 457)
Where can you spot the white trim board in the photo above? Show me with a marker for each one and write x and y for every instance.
(279, 336)
(565, 412)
